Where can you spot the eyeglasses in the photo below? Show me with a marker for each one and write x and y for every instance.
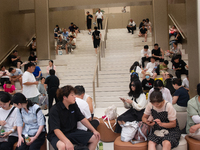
(132, 84)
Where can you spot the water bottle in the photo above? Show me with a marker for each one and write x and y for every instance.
(100, 146)
(2, 131)
(27, 138)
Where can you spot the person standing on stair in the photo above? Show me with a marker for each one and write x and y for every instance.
(96, 37)
(89, 22)
(99, 18)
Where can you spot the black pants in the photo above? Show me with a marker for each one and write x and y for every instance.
(8, 145)
(51, 96)
(99, 22)
(145, 59)
(3, 80)
(160, 59)
(94, 123)
(35, 145)
(131, 28)
(179, 72)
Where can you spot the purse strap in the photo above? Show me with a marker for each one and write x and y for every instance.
(108, 124)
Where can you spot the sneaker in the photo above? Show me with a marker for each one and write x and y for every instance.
(72, 50)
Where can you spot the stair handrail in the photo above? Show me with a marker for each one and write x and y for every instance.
(30, 41)
(178, 27)
(100, 54)
(8, 53)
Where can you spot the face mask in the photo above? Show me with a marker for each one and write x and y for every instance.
(147, 77)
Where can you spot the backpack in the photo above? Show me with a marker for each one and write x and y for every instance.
(20, 110)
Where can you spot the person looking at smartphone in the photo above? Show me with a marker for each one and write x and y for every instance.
(135, 104)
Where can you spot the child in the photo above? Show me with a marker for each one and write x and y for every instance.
(165, 125)
(8, 87)
(163, 68)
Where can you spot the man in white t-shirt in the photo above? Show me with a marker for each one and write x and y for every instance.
(30, 89)
(151, 67)
(71, 45)
(145, 54)
(131, 26)
(185, 83)
(84, 107)
(99, 18)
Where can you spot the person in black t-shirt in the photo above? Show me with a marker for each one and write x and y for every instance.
(96, 37)
(32, 58)
(63, 118)
(15, 59)
(147, 83)
(143, 32)
(158, 53)
(180, 97)
(52, 82)
(89, 22)
(179, 65)
(142, 23)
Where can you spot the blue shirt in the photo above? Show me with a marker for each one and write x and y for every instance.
(183, 96)
(31, 120)
(36, 71)
(65, 35)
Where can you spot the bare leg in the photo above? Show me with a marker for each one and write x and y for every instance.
(121, 122)
(154, 75)
(20, 81)
(57, 49)
(96, 50)
(150, 29)
(152, 145)
(18, 64)
(145, 37)
(66, 49)
(60, 145)
(166, 145)
(93, 142)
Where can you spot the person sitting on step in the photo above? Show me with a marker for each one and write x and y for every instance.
(61, 44)
(16, 75)
(131, 26)
(147, 83)
(180, 97)
(71, 45)
(145, 54)
(143, 32)
(157, 53)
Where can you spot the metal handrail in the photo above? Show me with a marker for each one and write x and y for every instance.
(8, 53)
(177, 26)
(100, 53)
(29, 42)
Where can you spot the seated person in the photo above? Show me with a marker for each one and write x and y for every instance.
(51, 66)
(84, 108)
(16, 75)
(172, 31)
(145, 54)
(43, 97)
(71, 27)
(33, 45)
(148, 24)
(179, 66)
(158, 53)
(163, 118)
(142, 23)
(61, 43)
(151, 68)
(168, 79)
(76, 29)
(30, 121)
(4, 74)
(63, 132)
(185, 83)
(158, 84)
(193, 116)
(9, 88)
(147, 83)
(135, 104)
(72, 33)
(131, 26)
(15, 59)
(37, 73)
(175, 51)
(143, 32)
(9, 124)
(57, 31)
(32, 58)
(178, 39)
(65, 34)
(162, 69)
(135, 70)
(71, 45)
(180, 97)
(86, 98)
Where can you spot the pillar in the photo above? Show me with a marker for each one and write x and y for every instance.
(193, 48)
(42, 28)
(160, 24)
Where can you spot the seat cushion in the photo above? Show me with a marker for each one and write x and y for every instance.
(119, 145)
(193, 144)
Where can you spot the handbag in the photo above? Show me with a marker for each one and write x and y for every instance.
(5, 139)
(110, 114)
(129, 130)
(142, 133)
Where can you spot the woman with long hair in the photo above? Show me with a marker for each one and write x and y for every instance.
(51, 66)
(136, 104)
(32, 118)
